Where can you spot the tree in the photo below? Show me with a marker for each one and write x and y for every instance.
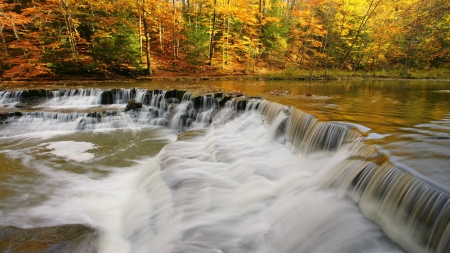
(144, 9)
(373, 4)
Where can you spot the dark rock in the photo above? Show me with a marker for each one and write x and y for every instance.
(170, 94)
(5, 115)
(180, 94)
(66, 238)
(224, 100)
(30, 101)
(197, 101)
(156, 92)
(241, 104)
(94, 115)
(173, 100)
(36, 93)
(132, 105)
(21, 105)
(147, 98)
(107, 98)
(133, 92)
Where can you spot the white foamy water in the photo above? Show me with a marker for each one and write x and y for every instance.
(81, 98)
(231, 190)
(72, 150)
(236, 191)
(233, 184)
(9, 99)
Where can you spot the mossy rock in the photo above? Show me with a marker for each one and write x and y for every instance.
(133, 105)
(65, 238)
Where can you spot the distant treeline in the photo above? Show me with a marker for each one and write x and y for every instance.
(102, 37)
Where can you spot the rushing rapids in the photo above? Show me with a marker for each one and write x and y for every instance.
(255, 176)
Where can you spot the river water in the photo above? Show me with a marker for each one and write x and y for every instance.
(230, 186)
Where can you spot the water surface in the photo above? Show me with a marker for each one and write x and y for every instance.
(231, 187)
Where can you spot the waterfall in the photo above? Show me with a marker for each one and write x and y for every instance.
(186, 97)
(262, 177)
(75, 98)
(234, 190)
(204, 117)
(122, 96)
(225, 113)
(9, 98)
(58, 121)
(303, 133)
(270, 110)
(413, 212)
(181, 120)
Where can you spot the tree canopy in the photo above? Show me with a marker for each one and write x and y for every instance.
(106, 37)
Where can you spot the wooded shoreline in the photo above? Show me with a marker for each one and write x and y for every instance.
(165, 38)
(85, 80)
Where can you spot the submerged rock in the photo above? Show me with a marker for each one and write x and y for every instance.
(36, 93)
(191, 134)
(97, 115)
(107, 98)
(132, 105)
(66, 238)
(5, 115)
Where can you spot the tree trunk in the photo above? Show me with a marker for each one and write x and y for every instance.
(140, 39)
(363, 23)
(211, 41)
(260, 17)
(5, 46)
(375, 59)
(224, 45)
(325, 49)
(174, 41)
(405, 65)
(147, 39)
(70, 29)
(161, 30)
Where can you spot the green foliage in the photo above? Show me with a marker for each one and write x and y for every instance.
(196, 44)
(117, 50)
(274, 37)
(274, 34)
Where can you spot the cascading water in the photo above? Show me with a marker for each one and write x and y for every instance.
(263, 177)
(416, 214)
(9, 98)
(140, 95)
(179, 121)
(208, 105)
(75, 98)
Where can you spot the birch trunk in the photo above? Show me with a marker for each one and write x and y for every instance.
(70, 28)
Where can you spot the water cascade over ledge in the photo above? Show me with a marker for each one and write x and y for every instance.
(258, 176)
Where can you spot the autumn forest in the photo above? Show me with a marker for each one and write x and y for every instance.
(127, 37)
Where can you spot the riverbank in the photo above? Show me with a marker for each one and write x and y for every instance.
(287, 74)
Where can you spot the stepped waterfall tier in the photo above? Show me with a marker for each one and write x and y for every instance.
(138, 170)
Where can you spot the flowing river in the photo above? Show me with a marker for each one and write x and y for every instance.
(359, 166)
